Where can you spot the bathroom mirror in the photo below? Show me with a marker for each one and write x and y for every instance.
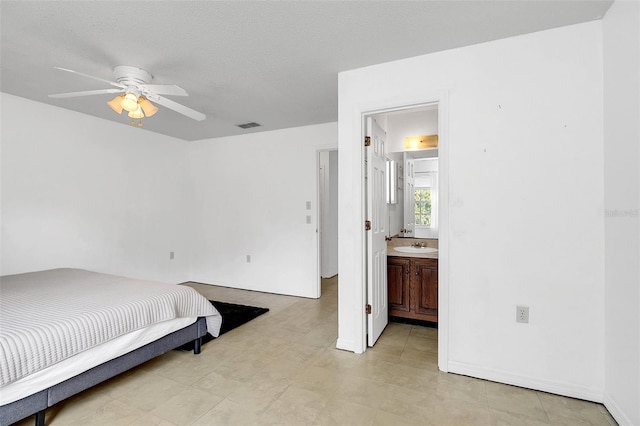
(416, 214)
(421, 195)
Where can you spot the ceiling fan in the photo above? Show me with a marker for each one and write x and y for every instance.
(136, 92)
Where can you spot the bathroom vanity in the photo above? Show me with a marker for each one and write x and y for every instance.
(412, 279)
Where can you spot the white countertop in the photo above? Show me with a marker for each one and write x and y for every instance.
(392, 252)
(400, 242)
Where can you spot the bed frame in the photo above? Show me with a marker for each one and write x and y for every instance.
(40, 401)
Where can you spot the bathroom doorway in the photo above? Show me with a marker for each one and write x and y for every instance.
(399, 225)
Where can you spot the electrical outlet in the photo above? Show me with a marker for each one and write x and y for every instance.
(172, 255)
(248, 258)
(522, 314)
(308, 205)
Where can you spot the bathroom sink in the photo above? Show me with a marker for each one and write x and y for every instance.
(411, 249)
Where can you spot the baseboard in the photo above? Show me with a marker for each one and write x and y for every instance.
(615, 411)
(495, 375)
(246, 288)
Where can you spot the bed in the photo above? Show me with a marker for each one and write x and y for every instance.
(65, 330)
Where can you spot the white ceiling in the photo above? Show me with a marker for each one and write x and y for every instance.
(275, 63)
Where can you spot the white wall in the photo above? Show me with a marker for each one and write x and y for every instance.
(621, 30)
(250, 199)
(78, 191)
(523, 168)
(329, 213)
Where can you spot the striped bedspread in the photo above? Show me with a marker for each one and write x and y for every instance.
(48, 316)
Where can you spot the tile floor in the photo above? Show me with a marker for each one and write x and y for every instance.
(283, 369)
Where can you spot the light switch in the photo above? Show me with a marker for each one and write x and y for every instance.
(308, 205)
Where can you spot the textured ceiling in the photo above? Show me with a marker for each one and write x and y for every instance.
(275, 63)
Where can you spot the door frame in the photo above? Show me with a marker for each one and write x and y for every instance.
(442, 100)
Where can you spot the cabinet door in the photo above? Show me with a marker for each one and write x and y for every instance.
(398, 284)
(425, 289)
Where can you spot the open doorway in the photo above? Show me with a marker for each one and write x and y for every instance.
(356, 107)
(410, 205)
(328, 215)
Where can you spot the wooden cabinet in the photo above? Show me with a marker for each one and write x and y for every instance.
(398, 277)
(413, 287)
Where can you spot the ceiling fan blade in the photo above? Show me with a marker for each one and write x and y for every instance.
(86, 93)
(165, 89)
(191, 113)
(113, 83)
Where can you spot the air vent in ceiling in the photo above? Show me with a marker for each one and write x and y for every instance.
(248, 125)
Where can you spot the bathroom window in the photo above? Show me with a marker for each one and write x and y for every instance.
(422, 206)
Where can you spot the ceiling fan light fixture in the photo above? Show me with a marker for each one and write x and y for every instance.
(148, 108)
(130, 102)
(137, 113)
(133, 87)
(116, 104)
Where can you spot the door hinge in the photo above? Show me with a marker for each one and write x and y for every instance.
(367, 225)
(367, 141)
(367, 309)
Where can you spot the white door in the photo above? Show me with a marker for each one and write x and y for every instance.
(376, 244)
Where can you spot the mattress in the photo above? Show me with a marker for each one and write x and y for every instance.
(51, 316)
(88, 359)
